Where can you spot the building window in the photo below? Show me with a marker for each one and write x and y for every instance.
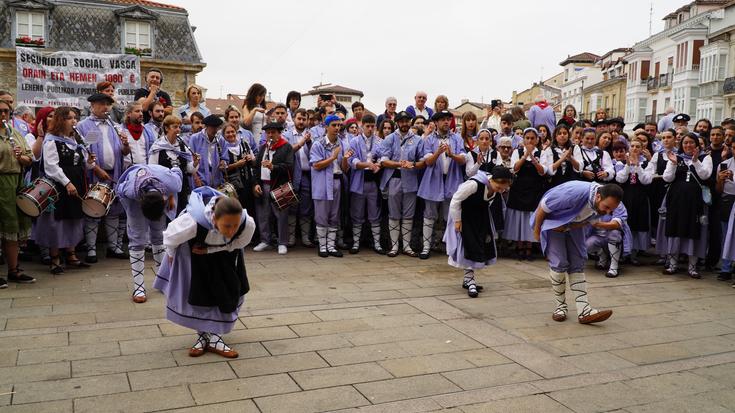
(30, 27)
(344, 99)
(138, 37)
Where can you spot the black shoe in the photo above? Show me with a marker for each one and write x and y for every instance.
(599, 266)
(724, 276)
(46, 260)
(21, 278)
(472, 291)
(354, 250)
(392, 254)
(335, 253)
(118, 255)
(611, 274)
(466, 286)
(379, 250)
(660, 261)
(3, 283)
(90, 259)
(424, 255)
(323, 254)
(634, 261)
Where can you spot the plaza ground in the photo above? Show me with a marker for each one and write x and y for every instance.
(366, 333)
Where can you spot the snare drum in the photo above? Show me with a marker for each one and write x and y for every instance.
(228, 189)
(98, 200)
(37, 198)
(284, 196)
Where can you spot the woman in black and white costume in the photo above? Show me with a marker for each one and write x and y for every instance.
(634, 177)
(484, 157)
(686, 211)
(470, 233)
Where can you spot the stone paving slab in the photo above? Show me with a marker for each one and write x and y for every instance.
(371, 334)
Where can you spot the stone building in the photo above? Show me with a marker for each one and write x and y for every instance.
(160, 33)
(609, 93)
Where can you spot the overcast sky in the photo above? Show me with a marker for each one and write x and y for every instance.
(477, 50)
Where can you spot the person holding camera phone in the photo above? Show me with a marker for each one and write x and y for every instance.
(152, 92)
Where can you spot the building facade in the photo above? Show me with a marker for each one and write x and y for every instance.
(664, 70)
(717, 68)
(580, 71)
(344, 95)
(609, 93)
(549, 88)
(159, 33)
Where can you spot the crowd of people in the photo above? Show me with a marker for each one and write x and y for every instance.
(195, 187)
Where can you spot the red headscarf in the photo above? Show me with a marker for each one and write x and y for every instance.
(41, 118)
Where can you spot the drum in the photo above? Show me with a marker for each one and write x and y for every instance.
(228, 189)
(98, 200)
(284, 196)
(37, 198)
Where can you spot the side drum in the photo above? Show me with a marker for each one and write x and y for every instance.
(98, 200)
(37, 198)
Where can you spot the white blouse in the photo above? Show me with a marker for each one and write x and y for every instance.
(184, 228)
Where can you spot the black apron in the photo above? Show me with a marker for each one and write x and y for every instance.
(684, 204)
(528, 187)
(218, 279)
(70, 207)
(478, 247)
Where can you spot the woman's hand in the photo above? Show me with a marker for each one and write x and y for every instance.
(458, 226)
(71, 189)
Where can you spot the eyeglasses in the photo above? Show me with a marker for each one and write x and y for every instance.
(392, 104)
(4, 110)
(504, 147)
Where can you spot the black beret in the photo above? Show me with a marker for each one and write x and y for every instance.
(101, 97)
(213, 120)
(403, 115)
(442, 114)
(682, 117)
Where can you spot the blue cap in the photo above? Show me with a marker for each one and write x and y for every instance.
(331, 118)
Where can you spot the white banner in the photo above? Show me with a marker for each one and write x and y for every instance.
(68, 78)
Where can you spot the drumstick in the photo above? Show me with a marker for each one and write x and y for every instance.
(193, 154)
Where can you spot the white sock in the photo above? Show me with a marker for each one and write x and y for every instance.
(137, 265)
(202, 340)
(578, 285)
(469, 277)
(375, 228)
(406, 228)
(615, 251)
(693, 263)
(91, 226)
(673, 263)
(321, 235)
(158, 252)
(559, 285)
(216, 342)
(111, 229)
(428, 232)
(356, 235)
(331, 238)
(394, 231)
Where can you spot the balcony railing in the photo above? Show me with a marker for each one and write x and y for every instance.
(664, 80)
(651, 84)
(729, 87)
